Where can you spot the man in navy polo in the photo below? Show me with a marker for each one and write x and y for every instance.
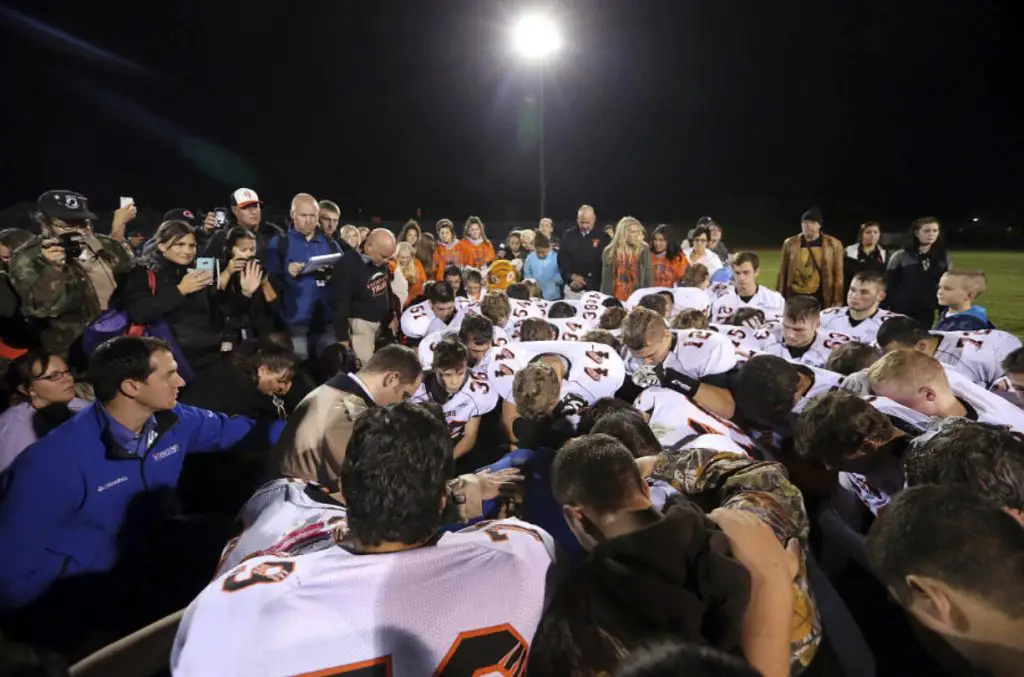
(91, 500)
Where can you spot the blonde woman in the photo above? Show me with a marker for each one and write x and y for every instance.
(626, 263)
(412, 270)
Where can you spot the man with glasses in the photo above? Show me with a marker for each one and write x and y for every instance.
(68, 274)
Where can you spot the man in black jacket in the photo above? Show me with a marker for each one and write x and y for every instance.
(362, 294)
(579, 258)
(247, 210)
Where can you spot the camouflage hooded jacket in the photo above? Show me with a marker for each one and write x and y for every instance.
(63, 295)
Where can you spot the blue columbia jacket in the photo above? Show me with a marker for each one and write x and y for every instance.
(309, 295)
(74, 502)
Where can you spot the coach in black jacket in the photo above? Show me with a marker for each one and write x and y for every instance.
(362, 294)
(579, 258)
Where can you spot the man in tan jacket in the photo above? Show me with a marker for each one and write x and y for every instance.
(812, 263)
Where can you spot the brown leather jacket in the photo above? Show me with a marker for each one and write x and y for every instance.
(831, 268)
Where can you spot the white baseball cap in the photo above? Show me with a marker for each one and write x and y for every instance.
(243, 197)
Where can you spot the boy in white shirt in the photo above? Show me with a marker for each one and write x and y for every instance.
(861, 318)
(802, 339)
(746, 292)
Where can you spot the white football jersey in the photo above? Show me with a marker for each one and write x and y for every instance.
(865, 331)
(572, 328)
(522, 310)
(674, 417)
(589, 311)
(906, 419)
(976, 354)
(594, 297)
(745, 338)
(467, 604)
(823, 381)
(718, 289)
(988, 406)
(419, 320)
(817, 355)
(285, 515)
(718, 443)
(696, 353)
(426, 347)
(476, 398)
(768, 300)
(595, 370)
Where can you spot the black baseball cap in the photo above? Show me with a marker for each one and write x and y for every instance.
(187, 215)
(65, 205)
(706, 221)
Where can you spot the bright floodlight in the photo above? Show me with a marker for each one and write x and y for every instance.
(536, 37)
(975, 219)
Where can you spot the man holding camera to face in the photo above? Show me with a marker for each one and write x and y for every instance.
(67, 274)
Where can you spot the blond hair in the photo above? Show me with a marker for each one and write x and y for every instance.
(620, 241)
(906, 366)
(974, 279)
(642, 326)
(408, 270)
(469, 222)
(536, 388)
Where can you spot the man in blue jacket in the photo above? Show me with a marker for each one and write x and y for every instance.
(306, 296)
(92, 498)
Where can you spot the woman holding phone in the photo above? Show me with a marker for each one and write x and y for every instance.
(168, 286)
(245, 298)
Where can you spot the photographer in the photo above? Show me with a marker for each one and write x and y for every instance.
(177, 293)
(246, 212)
(245, 297)
(67, 274)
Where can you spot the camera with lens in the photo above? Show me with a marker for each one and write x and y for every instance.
(73, 244)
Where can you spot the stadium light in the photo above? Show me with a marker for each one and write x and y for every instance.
(975, 219)
(536, 38)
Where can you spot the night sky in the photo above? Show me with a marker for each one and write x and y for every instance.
(747, 110)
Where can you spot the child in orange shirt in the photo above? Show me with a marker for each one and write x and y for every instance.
(477, 251)
(446, 251)
(667, 262)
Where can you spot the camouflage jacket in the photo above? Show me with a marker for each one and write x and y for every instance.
(63, 295)
(715, 479)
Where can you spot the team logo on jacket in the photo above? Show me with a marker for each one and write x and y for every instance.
(595, 242)
(377, 284)
(164, 453)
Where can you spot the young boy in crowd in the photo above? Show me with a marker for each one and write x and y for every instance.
(542, 265)
(958, 289)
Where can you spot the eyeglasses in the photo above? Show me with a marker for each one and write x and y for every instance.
(54, 376)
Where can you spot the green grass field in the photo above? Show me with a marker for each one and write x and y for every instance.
(1004, 299)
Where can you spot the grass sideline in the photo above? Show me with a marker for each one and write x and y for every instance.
(1004, 299)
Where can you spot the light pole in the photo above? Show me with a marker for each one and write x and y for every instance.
(536, 38)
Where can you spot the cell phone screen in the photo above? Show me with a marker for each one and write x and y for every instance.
(206, 263)
(222, 216)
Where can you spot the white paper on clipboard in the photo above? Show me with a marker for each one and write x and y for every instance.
(321, 262)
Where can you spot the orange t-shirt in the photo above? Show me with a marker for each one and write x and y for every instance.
(476, 255)
(667, 271)
(445, 256)
(627, 268)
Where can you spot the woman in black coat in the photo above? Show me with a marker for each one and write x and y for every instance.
(912, 275)
(866, 253)
(246, 299)
(179, 294)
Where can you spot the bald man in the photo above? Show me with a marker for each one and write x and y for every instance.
(363, 299)
(579, 257)
(306, 304)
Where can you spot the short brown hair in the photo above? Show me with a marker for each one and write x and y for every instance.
(536, 389)
(838, 424)
(695, 275)
(690, 318)
(612, 317)
(536, 329)
(541, 241)
(640, 327)
(908, 366)
(870, 277)
(851, 357)
(974, 279)
(398, 358)
(747, 257)
(802, 307)
(1014, 362)
(602, 336)
(496, 308)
